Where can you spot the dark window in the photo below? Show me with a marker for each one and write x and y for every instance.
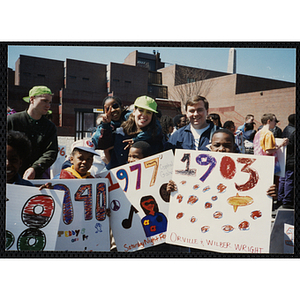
(85, 78)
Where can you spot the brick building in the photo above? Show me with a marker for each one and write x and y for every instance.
(80, 86)
(232, 96)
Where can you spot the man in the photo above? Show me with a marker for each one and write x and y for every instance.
(196, 135)
(248, 119)
(40, 131)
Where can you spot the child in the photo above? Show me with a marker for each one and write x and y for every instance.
(141, 125)
(18, 148)
(81, 158)
(138, 150)
(114, 115)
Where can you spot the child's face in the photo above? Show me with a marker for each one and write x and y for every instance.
(116, 110)
(221, 142)
(142, 117)
(134, 154)
(13, 163)
(82, 161)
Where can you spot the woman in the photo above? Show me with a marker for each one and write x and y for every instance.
(141, 125)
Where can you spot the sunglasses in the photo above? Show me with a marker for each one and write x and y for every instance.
(114, 106)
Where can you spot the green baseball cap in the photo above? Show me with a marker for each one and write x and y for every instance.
(38, 90)
(146, 102)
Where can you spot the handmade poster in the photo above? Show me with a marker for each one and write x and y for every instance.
(84, 225)
(221, 202)
(139, 202)
(281, 155)
(32, 218)
(56, 166)
(288, 245)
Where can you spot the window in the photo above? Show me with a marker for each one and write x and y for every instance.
(85, 78)
(40, 75)
(72, 77)
(127, 81)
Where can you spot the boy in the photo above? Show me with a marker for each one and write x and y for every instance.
(138, 150)
(18, 148)
(81, 158)
(264, 141)
(40, 131)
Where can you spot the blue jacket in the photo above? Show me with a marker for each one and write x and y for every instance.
(183, 139)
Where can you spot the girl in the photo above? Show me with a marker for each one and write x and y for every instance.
(141, 125)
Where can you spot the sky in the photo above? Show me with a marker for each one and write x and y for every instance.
(273, 63)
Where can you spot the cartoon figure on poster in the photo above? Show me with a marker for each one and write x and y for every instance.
(221, 202)
(154, 222)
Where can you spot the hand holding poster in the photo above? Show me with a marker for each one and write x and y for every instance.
(221, 202)
(139, 202)
(32, 218)
(83, 223)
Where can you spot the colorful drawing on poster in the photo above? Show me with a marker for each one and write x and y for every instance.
(221, 201)
(163, 192)
(36, 213)
(255, 214)
(154, 222)
(84, 225)
(192, 199)
(238, 200)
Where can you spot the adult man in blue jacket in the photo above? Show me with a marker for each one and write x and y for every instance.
(197, 134)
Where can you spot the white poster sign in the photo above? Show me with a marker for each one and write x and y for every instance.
(288, 238)
(32, 218)
(281, 155)
(84, 225)
(221, 202)
(56, 166)
(139, 202)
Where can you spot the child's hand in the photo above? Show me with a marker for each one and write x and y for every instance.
(272, 191)
(106, 118)
(130, 142)
(108, 212)
(171, 186)
(47, 185)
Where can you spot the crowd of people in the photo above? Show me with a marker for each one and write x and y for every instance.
(125, 135)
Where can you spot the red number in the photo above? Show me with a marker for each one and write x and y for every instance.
(227, 167)
(84, 193)
(251, 183)
(112, 186)
(101, 201)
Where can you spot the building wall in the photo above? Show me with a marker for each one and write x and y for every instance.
(85, 76)
(281, 102)
(31, 71)
(127, 82)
